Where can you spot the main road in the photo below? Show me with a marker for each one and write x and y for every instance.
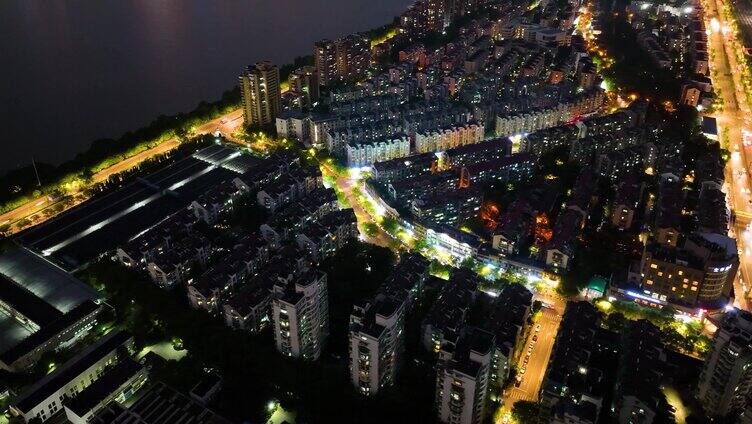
(732, 122)
(33, 209)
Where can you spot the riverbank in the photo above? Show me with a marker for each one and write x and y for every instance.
(31, 194)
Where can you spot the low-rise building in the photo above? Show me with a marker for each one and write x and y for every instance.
(45, 398)
(697, 273)
(628, 196)
(448, 208)
(42, 309)
(668, 212)
(153, 404)
(330, 234)
(448, 138)
(514, 227)
(118, 383)
(368, 153)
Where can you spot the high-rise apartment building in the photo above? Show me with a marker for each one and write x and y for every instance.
(725, 387)
(260, 93)
(346, 59)
(376, 343)
(325, 58)
(638, 397)
(300, 311)
(377, 326)
(304, 82)
(464, 373)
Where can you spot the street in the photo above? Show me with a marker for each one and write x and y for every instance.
(31, 210)
(731, 123)
(535, 369)
(346, 185)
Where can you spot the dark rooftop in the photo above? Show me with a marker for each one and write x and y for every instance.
(26, 303)
(47, 332)
(70, 370)
(113, 379)
(159, 404)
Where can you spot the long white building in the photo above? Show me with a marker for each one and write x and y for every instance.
(368, 153)
(539, 119)
(448, 138)
(531, 121)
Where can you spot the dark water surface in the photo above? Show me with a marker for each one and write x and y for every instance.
(72, 71)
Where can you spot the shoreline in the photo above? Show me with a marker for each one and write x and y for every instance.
(24, 201)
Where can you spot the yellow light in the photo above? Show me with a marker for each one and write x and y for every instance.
(715, 26)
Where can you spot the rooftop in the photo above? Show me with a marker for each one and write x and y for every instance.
(17, 347)
(108, 384)
(45, 280)
(159, 404)
(71, 370)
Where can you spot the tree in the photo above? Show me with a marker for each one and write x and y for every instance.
(370, 229)
(616, 321)
(537, 305)
(420, 244)
(390, 225)
(525, 411)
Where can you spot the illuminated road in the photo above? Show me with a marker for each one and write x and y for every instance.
(346, 185)
(731, 122)
(226, 124)
(535, 369)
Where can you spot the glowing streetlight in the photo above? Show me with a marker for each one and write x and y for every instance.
(715, 26)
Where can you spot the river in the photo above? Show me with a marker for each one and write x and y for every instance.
(77, 70)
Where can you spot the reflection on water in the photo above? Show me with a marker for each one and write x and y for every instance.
(74, 71)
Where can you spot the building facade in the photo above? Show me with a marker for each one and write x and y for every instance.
(726, 380)
(260, 94)
(300, 312)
